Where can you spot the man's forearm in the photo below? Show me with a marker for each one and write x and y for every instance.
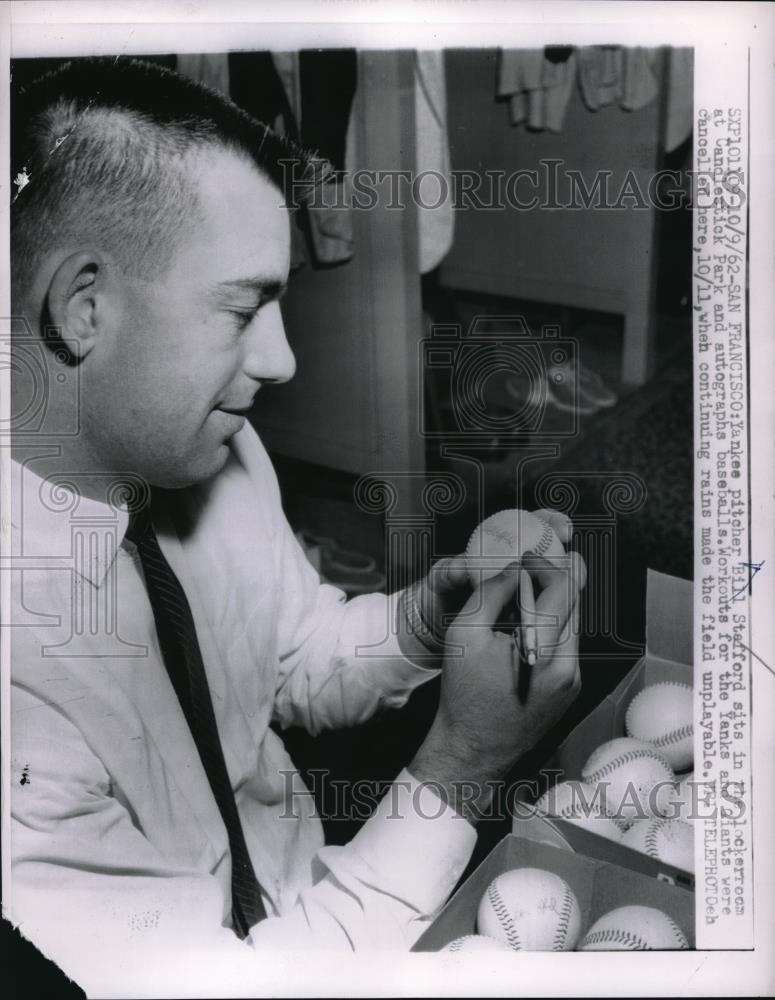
(458, 776)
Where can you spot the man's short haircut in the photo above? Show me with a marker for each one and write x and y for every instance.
(99, 147)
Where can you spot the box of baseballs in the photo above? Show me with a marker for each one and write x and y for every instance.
(621, 784)
(529, 896)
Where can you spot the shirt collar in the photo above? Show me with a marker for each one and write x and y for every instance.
(56, 526)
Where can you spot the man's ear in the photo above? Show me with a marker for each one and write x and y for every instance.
(71, 301)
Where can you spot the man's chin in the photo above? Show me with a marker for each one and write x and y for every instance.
(202, 467)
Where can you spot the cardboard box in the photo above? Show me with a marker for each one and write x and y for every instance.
(599, 887)
(562, 834)
(669, 629)
(668, 657)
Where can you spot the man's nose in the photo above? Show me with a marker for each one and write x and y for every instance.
(268, 356)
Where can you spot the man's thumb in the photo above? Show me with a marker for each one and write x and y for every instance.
(483, 608)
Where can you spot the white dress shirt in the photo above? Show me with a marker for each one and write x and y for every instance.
(118, 849)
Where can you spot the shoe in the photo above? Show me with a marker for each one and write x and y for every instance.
(557, 390)
(593, 388)
(563, 393)
(590, 391)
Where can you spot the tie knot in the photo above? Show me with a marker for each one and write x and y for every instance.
(139, 524)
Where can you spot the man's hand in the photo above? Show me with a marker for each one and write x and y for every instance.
(483, 723)
(446, 588)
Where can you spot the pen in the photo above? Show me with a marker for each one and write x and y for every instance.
(528, 614)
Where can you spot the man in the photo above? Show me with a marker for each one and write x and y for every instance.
(155, 642)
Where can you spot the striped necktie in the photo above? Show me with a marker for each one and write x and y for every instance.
(183, 660)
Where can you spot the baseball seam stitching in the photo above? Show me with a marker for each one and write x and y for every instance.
(504, 917)
(546, 539)
(625, 758)
(539, 548)
(632, 942)
(679, 934)
(567, 813)
(588, 810)
(652, 837)
(561, 933)
(674, 736)
(572, 817)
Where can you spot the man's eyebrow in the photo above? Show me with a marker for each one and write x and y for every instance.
(266, 288)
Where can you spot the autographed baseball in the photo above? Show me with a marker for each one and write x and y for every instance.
(530, 910)
(504, 538)
(576, 802)
(634, 928)
(669, 840)
(682, 799)
(476, 942)
(662, 715)
(631, 774)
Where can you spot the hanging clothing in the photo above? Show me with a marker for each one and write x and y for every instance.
(640, 83)
(538, 83)
(600, 75)
(615, 75)
(258, 89)
(538, 88)
(286, 66)
(436, 213)
(519, 77)
(557, 83)
(680, 98)
(209, 69)
(328, 82)
(319, 88)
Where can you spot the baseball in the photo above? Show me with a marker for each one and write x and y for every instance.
(669, 840)
(629, 772)
(576, 803)
(504, 538)
(682, 800)
(662, 715)
(476, 942)
(530, 910)
(634, 928)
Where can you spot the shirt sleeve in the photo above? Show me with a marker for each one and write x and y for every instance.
(340, 660)
(97, 897)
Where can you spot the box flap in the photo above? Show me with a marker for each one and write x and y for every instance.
(531, 825)
(592, 845)
(669, 617)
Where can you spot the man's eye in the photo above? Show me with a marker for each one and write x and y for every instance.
(243, 317)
